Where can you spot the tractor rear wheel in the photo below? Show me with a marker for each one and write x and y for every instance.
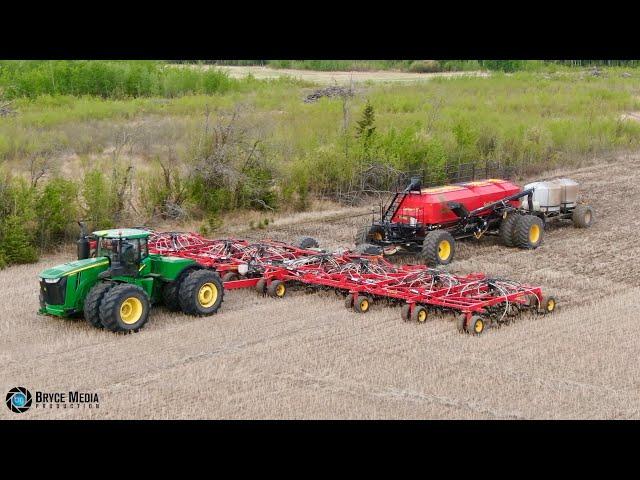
(582, 216)
(528, 232)
(507, 227)
(438, 247)
(93, 300)
(201, 293)
(124, 308)
(307, 242)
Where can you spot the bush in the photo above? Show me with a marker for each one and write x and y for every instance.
(16, 242)
(98, 196)
(57, 211)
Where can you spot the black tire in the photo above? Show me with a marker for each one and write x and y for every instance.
(114, 310)
(507, 227)
(582, 216)
(230, 277)
(307, 242)
(461, 320)
(529, 232)
(170, 295)
(369, 249)
(419, 314)
(549, 305)
(368, 234)
(277, 289)
(92, 302)
(201, 293)
(348, 301)
(438, 248)
(477, 325)
(363, 304)
(261, 287)
(405, 312)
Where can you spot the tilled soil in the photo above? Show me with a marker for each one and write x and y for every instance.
(306, 356)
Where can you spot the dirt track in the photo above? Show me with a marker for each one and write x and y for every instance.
(306, 356)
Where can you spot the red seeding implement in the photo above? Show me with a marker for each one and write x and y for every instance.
(428, 221)
(478, 300)
(271, 267)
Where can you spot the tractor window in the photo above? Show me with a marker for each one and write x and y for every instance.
(144, 248)
(108, 247)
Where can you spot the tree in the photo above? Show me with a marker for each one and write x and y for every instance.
(366, 127)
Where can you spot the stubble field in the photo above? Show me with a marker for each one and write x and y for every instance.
(306, 356)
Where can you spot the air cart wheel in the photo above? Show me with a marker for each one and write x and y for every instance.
(93, 300)
(460, 322)
(438, 247)
(201, 293)
(419, 314)
(124, 308)
(363, 304)
(582, 216)
(230, 277)
(405, 312)
(507, 227)
(369, 233)
(307, 242)
(528, 232)
(549, 305)
(476, 325)
(277, 289)
(348, 301)
(261, 287)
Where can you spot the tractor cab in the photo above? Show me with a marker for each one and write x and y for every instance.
(126, 249)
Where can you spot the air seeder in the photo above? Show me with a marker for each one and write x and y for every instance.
(428, 221)
(116, 288)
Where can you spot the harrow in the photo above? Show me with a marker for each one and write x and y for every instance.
(478, 301)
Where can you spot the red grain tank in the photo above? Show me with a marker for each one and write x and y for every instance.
(430, 205)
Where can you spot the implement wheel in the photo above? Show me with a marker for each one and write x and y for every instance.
(438, 247)
(549, 305)
(368, 234)
(476, 325)
(277, 289)
(124, 308)
(582, 216)
(507, 227)
(363, 304)
(405, 312)
(528, 232)
(261, 287)
(419, 314)
(93, 300)
(230, 277)
(348, 301)
(460, 322)
(307, 242)
(201, 293)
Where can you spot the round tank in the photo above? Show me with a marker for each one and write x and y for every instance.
(569, 191)
(547, 196)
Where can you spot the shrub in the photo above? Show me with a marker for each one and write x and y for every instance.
(97, 194)
(57, 211)
(16, 242)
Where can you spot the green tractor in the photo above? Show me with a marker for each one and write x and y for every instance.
(116, 288)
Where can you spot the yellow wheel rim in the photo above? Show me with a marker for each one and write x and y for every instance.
(207, 295)
(478, 326)
(534, 233)
(444, 250)
(131, 310)
(280, 290)
(422, 315)
(364, 305)
(551, 305)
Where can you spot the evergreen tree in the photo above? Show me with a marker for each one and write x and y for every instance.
(366, 127)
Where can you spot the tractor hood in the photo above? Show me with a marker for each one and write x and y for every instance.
(73, 267)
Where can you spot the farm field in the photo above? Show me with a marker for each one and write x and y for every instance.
(306, 356)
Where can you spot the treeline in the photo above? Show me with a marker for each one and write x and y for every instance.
(107, 79)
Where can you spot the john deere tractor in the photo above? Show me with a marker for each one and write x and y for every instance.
(115, 288)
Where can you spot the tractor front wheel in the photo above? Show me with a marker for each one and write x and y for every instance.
(438, 247)
(201, 293)
(124, 308)
(528, 232)
(93, 300)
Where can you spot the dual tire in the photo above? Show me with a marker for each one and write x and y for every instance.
(523, 231)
